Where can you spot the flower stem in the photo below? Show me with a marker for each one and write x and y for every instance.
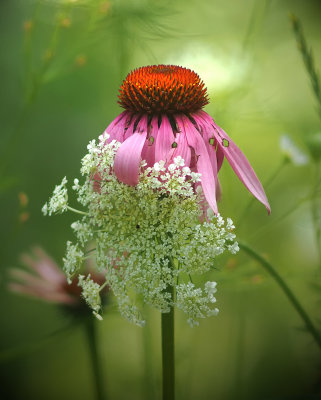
(315, 209)
(77, 211)
(91, 331)
(286, 290)
(168, 354)
(308, 60)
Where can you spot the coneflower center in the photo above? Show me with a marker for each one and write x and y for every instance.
(158, 89)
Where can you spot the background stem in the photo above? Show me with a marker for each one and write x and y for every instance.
(315, 209)
(91, 330)
(287, 291)
(168, 355)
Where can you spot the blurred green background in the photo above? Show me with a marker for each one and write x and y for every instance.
(62, 63)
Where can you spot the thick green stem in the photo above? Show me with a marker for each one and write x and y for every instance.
(95, 359)
(168, 356)
(286, 290)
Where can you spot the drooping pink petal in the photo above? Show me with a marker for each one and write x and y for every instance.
(131, 128)
(211, 143)
(111, 126)
(219, 157)
(182, 148)
(116, 128)
(206, 118)
(240, 165)
(204, 166)
(148, 153)
(164, 141)
(128, 156)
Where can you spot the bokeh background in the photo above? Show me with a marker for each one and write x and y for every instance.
(62, 63)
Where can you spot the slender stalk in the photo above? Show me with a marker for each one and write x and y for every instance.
(315, 210)
(148, 387)
(259, 11)
(91, 332)
(168, 353)
(26, 349)
(286, 290)
(307, 57)
(77, 211)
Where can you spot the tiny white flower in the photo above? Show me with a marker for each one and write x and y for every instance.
(186, 170)
(171, 167)
(179, 161)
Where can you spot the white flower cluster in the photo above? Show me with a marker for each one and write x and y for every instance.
(90, 292)
(196, 302)
(149, 241)
(59, 200)
(73, 260)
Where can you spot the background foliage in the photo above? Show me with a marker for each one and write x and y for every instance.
(62, 63)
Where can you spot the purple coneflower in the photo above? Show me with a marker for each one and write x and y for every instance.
(163, 119)
(44, 280)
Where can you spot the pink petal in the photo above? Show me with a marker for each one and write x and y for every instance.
(42, 294)
(207, 131)
(203, 165)
(129, 130)
(128, 156)
(219, 157)
(148, 153)
(116, 128)
(45, 266)
(164, 141)
(241, 166)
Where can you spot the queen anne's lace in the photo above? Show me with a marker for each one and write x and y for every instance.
(147, 238)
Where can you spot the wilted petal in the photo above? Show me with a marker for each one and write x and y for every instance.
(241, 166)
(204, 166)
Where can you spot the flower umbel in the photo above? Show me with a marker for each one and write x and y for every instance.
(147, 237)
(163, 119)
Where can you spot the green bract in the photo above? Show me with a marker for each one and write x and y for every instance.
(145, 238)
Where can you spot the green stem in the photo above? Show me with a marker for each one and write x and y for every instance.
(286, 290)
(77, 211)
(259, 11)
(95, 359)
(168, 357)
(307, 56)
(315, 209)
(148, 387)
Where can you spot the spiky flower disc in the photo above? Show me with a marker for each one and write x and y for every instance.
(158, 89)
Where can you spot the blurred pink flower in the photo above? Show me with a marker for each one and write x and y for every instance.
(45, 280)
(163, 119)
